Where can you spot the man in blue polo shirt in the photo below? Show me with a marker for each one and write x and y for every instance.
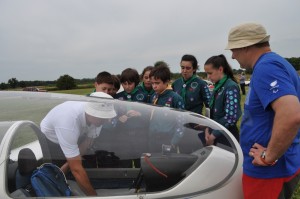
(270, 126)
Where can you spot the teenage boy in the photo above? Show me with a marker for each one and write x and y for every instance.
(130, 122)
(164, 129)
(116, 85)
(164, 95)
(104, 83)
(129, 80)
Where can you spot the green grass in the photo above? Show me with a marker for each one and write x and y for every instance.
(297, 192)
(81, 91)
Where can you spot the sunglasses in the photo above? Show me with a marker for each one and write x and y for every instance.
(186, 67)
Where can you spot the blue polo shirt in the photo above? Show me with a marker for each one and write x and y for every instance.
(272, 78)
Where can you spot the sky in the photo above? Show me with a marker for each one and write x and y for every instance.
(45, 39)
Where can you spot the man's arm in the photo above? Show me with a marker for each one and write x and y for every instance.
(285, 128)
(85, 144)
(88, 142)
(80, 175)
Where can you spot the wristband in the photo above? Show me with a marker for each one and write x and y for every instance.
(263, 157)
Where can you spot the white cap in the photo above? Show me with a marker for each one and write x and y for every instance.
(101, 94)
(103, 109)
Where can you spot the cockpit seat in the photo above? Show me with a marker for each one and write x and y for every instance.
(164, 171)
(27, 163)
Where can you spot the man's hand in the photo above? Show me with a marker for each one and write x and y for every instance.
(80, 176)
(256, 152)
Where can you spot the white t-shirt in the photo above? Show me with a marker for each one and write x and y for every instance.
(64, 124)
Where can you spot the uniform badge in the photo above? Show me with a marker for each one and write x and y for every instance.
(194, 85)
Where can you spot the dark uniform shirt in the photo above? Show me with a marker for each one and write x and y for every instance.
(148, 94)
(168, 98)
(194, 92)
(136, 95)
(164, 126)
(226, 109)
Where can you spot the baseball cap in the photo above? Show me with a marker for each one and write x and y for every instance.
(246, 34)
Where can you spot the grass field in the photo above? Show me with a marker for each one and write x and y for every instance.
(89, 90)
(82, 91)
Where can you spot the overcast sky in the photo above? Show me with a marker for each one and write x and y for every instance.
(44, 39)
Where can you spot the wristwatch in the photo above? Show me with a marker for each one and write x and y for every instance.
(263, 157)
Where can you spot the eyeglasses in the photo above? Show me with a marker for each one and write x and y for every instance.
(186, 67)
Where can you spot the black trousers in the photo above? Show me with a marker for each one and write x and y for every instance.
(222, 139)
(235, 132)
(243, 88)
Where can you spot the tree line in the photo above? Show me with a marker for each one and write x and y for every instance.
(66, 82)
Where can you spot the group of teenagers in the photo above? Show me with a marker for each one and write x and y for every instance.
(271, 120)
(188, 92)
(270, 127)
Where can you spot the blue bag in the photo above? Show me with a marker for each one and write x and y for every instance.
(49, 180)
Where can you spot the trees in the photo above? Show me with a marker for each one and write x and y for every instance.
(22, 84)
(3, 86)
(13, 82)
(295, 61)
(66, 82)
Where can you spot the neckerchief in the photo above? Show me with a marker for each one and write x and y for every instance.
(142, 85)
(218, 85)
(185, 83)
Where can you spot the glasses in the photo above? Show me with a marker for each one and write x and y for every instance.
(186, 67)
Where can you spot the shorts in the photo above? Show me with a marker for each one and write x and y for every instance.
(271, 188)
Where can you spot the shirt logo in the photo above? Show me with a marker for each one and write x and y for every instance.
(274, 86)
(194, 85)
(140, 97)
(168, 102)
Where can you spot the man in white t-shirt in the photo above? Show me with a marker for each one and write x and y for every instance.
(68, 123)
